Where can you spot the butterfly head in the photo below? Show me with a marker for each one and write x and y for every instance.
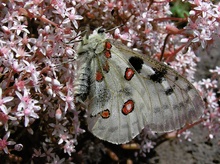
(95, 41)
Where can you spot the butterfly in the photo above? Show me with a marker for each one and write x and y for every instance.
(127, 92)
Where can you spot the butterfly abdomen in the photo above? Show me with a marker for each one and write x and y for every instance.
(87, 51)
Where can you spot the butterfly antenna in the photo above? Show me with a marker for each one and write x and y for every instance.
(112, 29)
(80, 34)
(87, 31)
(64, 62)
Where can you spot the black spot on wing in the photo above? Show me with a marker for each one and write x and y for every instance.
(189, 88)
(158, 76)
(169, 91)
(176, 78)
(137, 63)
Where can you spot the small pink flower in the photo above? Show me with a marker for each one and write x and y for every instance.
(4, 143)
(216, 70)
(17, 66)
(72, 17)
(64, 137)
(69, 147)
(27, 113)
(37, 153)
(27, 107)
(5, 117)
(40, 44)
(25, 41)
(187, 134)
(68, 99)
(211, 96)
(202, 36)
(20, 84)
(204, 7)
(25, 99)
(4, 50)
(20, 28)
(192, 25)
(20, 52)
(3, 101)
(60, 7)
(109, 6)
(57, 160)
(147, 146)
(58, 128)
(206, 82)
(47, 152)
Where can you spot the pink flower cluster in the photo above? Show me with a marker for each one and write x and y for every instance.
(38, 42)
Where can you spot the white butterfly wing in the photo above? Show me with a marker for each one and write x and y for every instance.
(110, 95)
(129, 92)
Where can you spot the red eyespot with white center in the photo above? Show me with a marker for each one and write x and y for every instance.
(105, 113)
(128, 107)
(99, 76)
(129, 73)
(108, 54)
(108, 45)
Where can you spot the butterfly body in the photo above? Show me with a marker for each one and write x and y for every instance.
(126, 91)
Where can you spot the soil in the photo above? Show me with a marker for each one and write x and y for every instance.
(200, 150)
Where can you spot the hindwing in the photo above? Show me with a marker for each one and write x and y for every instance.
(128, 92)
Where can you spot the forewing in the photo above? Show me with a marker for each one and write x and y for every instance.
(116, 107)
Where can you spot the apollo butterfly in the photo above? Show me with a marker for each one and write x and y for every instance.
(126, 91)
